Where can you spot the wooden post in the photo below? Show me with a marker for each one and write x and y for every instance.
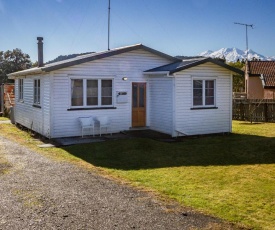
(265, 112)
(242, 111)
(2, 99)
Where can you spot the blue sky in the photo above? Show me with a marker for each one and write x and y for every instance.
(176, 27)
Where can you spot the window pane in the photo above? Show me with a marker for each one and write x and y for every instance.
(141, 95)
(106, 101)
(134, 89)
(197, 101)
(209, 101)
(106, 92)
(77, 92)
(197, 92)
(92, 92)
(36, 92)
(197, 84)
(209, 92)
(209, 84)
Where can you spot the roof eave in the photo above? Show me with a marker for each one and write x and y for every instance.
(24, 73)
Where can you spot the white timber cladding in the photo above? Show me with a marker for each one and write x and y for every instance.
(34, 118)
(203, 121)
(131, 65)
(161, 104)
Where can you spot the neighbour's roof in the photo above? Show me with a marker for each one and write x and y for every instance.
(89, 57)
(266, 69)
(188, 63)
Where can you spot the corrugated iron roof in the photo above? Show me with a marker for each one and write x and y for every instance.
(266, 69)
(89, 57)
(188, 63)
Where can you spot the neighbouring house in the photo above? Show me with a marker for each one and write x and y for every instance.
(135, 86)
(260, 79)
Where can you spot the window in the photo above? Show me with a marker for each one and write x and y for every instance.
(36, 94)
(203, 93)
(91, 92)
(20, 88)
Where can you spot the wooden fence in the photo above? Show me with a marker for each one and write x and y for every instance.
(260, 110)
(6, 98)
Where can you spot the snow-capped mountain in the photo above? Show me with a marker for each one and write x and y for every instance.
(233, 54)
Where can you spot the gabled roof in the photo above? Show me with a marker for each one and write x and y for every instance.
(188, 63)
(265, 69)
(90, 57)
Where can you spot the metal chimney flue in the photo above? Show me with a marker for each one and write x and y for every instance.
(40, 51)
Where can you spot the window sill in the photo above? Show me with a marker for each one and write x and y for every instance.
(95, 108)
(21, 101)
(37, 106)
(199, 108)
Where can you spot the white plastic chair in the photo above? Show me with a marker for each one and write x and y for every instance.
(104, 122)
(87, 123)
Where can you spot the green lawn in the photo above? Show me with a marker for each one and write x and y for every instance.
(231, 176)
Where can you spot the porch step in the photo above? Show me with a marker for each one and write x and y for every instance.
(139, 128)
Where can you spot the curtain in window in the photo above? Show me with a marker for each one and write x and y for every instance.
(197, 92)
(92, 92)
(77, 92)
(106, 92)
(209, 92)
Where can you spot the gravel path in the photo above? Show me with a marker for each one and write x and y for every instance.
(39, 193)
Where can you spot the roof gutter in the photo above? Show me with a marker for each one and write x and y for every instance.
(24, 73)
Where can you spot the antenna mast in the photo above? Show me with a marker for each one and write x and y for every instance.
(246, 25)
(109, 8)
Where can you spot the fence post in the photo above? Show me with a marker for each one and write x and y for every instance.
(265, 112)
(242, 111)
(2, 99)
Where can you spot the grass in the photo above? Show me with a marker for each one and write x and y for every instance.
(4, 119)
(231, 177)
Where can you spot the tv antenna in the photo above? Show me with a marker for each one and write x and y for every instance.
(246, 25)
(109, 8)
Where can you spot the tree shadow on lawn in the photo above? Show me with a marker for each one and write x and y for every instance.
(144, 153)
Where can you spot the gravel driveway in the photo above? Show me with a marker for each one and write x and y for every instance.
(39, 193)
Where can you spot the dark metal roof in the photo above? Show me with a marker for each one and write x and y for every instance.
(266, 69)
(186, 64)
(91, 57)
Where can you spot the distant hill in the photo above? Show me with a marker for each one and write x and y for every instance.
(65, 57)
(233, 54)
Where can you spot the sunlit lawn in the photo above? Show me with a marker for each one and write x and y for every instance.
(231, 176)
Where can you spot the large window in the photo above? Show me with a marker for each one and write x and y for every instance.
(20, 89)
(203, 93)
(91, 92)
(36, 94)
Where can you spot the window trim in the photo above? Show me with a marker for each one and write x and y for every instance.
(204, 106)
(21, 89)
(85, 106)
(37, 93)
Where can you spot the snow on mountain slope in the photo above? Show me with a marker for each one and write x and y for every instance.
(233, 54)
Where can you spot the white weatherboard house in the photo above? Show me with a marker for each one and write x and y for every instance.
(135, 86)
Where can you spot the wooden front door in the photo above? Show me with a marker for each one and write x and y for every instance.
(138, 104)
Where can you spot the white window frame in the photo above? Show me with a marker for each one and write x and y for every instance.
(21, 89)
(99, 79)
(37, 92)
(203, 79)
